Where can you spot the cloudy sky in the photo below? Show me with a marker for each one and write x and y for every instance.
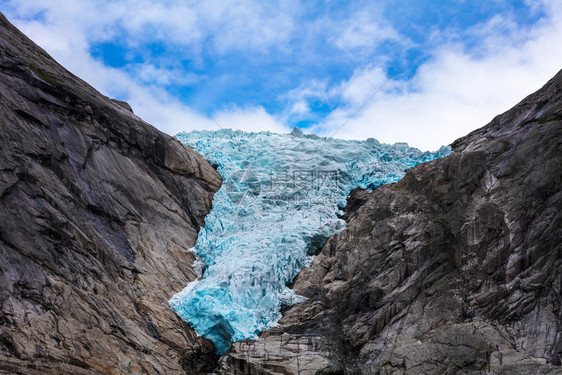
(419, 71)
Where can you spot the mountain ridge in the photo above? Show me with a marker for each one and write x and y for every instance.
(456, 268)
(97, 212)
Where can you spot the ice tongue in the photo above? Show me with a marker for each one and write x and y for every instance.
(279, 202)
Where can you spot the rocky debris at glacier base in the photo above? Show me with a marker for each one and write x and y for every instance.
(278, 205)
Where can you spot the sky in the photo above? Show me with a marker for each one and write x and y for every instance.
(425, 72)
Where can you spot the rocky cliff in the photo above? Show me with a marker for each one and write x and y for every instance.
(456, 269)
(97, 212)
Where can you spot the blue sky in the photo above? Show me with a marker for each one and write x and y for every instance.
(443, 68)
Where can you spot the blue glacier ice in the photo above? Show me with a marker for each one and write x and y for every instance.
(281, 198)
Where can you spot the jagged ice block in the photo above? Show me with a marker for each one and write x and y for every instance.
(281, 199)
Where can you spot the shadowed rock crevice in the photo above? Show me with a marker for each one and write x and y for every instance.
(97, 212)
(457, 268)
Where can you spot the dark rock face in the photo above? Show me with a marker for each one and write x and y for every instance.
(456, 269)
(97, 212)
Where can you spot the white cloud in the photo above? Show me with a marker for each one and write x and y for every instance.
(241, 24)
(363, 84)
(456, 91)
(254, 119)
(300, 108)
(67, 29)
(364, 31)
(312, 90)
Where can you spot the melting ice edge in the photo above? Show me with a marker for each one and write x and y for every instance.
(281, 198)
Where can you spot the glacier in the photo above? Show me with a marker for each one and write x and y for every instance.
(281, 198)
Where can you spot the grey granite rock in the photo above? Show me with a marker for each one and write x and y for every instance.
(455, 269)
(97, 212)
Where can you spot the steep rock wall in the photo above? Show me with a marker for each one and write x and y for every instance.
(455, 269)
(97, 212)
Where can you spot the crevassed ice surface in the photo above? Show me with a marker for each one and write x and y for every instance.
(281, 198)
